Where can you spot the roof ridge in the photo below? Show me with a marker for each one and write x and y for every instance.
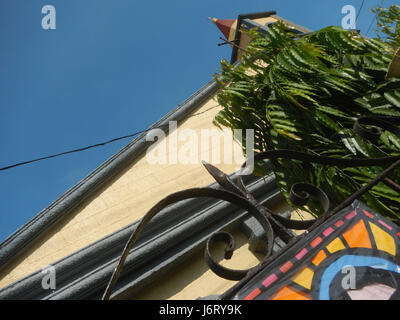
(22, 239)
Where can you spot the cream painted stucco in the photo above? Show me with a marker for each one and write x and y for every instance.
(125, 199)
(265, 20)
(232, 31)
(290, 23)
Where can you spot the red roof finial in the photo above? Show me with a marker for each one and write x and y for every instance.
(224, 25)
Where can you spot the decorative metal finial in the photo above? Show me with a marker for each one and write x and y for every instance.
(213, 20)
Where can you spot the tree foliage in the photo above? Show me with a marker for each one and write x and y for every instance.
(306, 93)
(388, 23)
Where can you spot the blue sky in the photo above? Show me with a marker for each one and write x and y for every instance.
(111, 67)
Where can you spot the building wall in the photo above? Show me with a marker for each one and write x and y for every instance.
(245, 39)
(193, 279)
(125, 199)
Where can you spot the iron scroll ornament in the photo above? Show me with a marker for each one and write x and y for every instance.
(237, 193)
(262, 214)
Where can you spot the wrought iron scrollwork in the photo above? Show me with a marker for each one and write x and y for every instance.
(176, 197)
(238, 194)
(222, 271)
(373, 133)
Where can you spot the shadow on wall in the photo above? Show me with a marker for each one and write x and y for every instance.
(194, 279)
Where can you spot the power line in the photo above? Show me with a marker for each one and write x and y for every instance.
(359, 11)
(71, 151)
(91, 146)
(370, 25)
(135, 133)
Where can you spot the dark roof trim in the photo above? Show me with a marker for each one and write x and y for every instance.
(177, 233)
(294, 25)
(23, 238)
(244, 19)
(240, 19)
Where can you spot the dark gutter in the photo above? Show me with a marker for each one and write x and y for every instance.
(23, 238)
(173, 236)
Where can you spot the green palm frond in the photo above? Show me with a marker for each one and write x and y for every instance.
(305, 94)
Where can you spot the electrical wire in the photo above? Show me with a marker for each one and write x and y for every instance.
(372, 21)
(70, 151)
(130, 135)
(359, 11)
(91, 146)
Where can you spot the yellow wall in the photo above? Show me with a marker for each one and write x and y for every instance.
(245, 39)
(293, 24)
(263, 21)
(125, 199)
(122, 201)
